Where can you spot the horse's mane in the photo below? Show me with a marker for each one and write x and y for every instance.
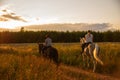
(82, 40)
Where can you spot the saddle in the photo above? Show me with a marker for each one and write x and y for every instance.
(85, 45)
(45, 48)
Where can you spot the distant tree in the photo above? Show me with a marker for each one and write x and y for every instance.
(22, 29)
(35, 37)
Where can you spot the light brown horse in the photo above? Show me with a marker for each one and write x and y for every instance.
(91, 52)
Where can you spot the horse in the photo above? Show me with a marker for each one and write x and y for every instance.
(50, 53)
(91, 52)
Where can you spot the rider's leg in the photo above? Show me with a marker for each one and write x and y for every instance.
(83, 46)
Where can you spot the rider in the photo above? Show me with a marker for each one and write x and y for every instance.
(48, 43)
(88, 40)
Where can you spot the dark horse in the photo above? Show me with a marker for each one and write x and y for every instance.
(50, 53)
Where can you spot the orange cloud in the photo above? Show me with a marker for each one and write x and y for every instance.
(3, 19)
(13, 17)
(6, 16)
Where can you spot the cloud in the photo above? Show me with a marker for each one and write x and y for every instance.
(3, 19)
(6, 15)
(72, 27)
(18, 18)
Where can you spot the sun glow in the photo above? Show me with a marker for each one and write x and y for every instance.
(9, 20)
(8, 25)
(13, 24)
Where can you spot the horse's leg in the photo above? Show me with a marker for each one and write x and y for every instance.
(95, 64)
(83, 55)
(88, 61)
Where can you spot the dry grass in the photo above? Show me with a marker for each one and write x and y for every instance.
(23, 62)
(109, 54)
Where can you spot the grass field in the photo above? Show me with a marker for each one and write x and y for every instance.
(23, 62)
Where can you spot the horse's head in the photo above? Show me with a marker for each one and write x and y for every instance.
(82, 40)
(40, 45)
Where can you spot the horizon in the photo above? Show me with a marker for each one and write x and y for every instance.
(65, 27)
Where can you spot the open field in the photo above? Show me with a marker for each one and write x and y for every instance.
(23, 62)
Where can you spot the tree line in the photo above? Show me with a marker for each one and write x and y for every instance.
(57, 37)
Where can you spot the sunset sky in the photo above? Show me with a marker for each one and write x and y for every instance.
(26, 12)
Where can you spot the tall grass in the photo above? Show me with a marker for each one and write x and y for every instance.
(23, 62)
(25, 65)
(109, 54)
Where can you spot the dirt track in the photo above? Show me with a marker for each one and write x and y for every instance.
(66, 73)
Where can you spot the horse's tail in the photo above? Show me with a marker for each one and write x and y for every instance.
(95, 53)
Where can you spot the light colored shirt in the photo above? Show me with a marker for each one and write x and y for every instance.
(88, 38)
(48, 41)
